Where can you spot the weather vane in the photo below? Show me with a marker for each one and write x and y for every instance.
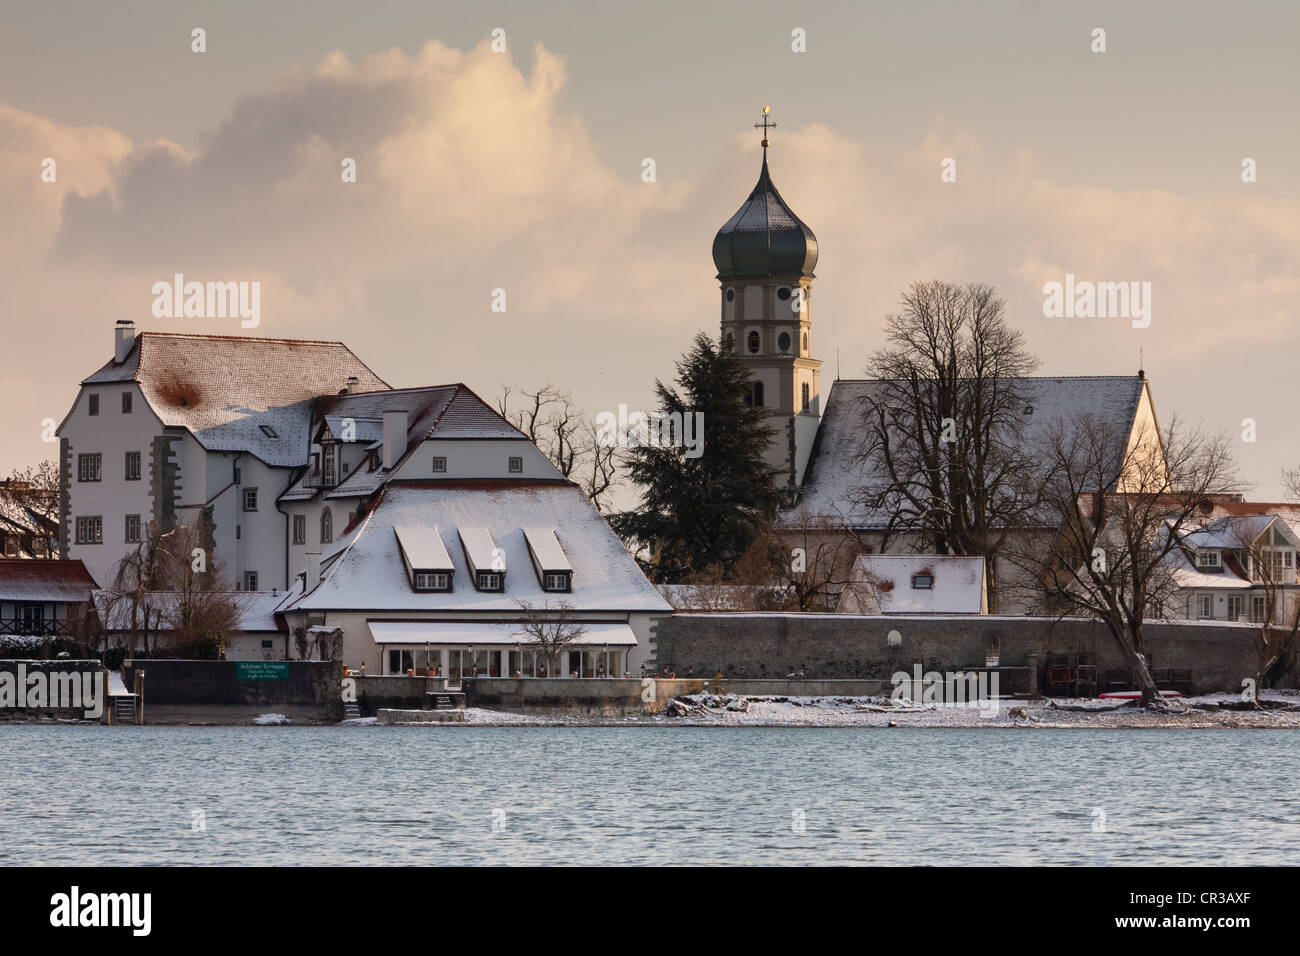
(765, 126)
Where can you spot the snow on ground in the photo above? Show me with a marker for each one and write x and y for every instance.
(271, 719)
(733, 710)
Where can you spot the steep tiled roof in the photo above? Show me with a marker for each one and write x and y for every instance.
(834, 471)
(225, 388)
(438, 411)
(44, 580)
(468, 416)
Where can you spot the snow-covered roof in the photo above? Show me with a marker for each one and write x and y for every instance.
(475, 633)
(363, 430)
(423, 547)
(835, 471)
(957, 583)
(1236, 531)
(369, 574)
(256, 608)
(224, 388)
(546, 551)
(45, 579)
(480, 549)
(438, 411)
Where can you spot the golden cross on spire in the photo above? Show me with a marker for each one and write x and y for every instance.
(765, 126)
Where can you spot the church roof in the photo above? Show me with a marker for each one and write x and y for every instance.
(835, 471)
(764, 237)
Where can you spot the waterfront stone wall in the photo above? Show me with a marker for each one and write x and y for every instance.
(181, 690)
(25, 669)
(744, 646)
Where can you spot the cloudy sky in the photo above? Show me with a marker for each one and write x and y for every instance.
(521, 170)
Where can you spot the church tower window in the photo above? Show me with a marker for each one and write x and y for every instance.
(753, 341)
(804, 406)
(783, 342)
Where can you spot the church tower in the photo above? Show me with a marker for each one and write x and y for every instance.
(765, 257)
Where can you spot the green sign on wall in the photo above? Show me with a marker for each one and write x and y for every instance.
(261, 670)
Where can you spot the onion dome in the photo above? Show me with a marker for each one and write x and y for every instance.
(764, 237)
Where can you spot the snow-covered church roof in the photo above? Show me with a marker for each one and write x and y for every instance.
(835, 469)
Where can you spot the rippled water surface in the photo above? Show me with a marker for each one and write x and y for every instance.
(373, 796)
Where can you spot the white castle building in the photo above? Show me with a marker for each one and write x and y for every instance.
(405, 517)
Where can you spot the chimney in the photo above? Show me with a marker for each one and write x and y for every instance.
(123, 340)
(353, 383)
(394, 436)
(313, 571)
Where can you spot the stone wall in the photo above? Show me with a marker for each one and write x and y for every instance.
(177, 690)
(24, 669)
(842, 646)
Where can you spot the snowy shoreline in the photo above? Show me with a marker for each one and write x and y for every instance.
(1280, 710)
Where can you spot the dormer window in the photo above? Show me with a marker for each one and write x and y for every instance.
(554, 572)
(489, 581)
(432, 581)
(923, 582)
(1209, 559)
(328, 457)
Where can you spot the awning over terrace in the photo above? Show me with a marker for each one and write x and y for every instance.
(486, 633)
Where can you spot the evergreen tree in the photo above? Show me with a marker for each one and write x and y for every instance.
(702, 512)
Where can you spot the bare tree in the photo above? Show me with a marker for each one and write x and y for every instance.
(33, 492)
(547, 628)
(1291, 482)
(1280, 620)
(1122, 510)
(202, 608)
(565, 434)
(131, 600)
(944, 428)
(172, 583)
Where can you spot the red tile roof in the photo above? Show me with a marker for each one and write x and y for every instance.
(23, 579)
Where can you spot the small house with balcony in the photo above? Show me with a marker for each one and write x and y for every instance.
(1237, 567)
(41, 601)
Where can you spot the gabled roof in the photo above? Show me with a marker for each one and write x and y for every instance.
(468, 416)
(47, 579)
(369, 573)
(834, 470)
(438, 411)
(957, 582)
(223, 388)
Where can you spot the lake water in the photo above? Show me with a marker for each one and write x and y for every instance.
(480, 795)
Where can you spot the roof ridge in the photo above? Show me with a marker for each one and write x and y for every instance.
(240, 338)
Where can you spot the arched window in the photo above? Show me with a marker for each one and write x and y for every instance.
(326, 526)
(805, 343)
(805, 395)
(758, 394)
(753, 341)
(730, 343)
